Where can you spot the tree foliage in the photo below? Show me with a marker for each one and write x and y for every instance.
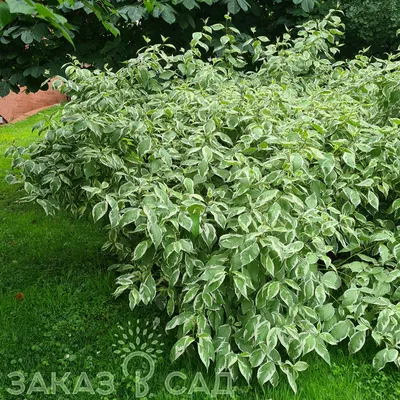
(260, 209)
(36, 38)
(369, 23)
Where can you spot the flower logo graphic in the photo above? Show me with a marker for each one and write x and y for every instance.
(142, 341)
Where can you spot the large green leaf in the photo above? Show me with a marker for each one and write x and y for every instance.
(20, 7)
(307, 5)
(5, 15)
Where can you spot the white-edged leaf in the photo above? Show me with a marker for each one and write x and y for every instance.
(265, 372)
(140, 250)
(356, 342)
(180, 346)
(99, 210)
(231, 241)
(148, 289)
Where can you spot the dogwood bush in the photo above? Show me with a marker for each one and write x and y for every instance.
(261, 209)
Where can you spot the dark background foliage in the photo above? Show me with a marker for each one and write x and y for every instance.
(369, 23)
(36, 39)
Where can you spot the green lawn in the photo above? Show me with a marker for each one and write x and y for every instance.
(67, 319)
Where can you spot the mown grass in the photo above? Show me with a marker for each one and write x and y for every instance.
(67, 318)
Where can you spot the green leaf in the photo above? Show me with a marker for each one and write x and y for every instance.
(135, 13)
(114, 216)
(178, 320)
(353, 196)
(265, 372)
(197, 35)
(328, 166)
(244, 5)
(349, 159)
(366, 183)
(185, 222)
(290, 375)
(340, 330)
(331, 280)
(205, 349)
(46, 205)
(215, 282)
(356, 342)
(89, 169)
(267, 196)
(326, 312)
(350, 297)
(257, 357)
(110, 27)
(300, 366)
(5, 88)
(166, 75)
(231, 241)
(396, 252)
(395, 206)
(140, 250)
(309, 344)
(209, 127)
(168, 14)
(373, 200)
(5, 15)
(180, 346)
(391, 355)
(217, 27)
(156, 234)
(250, 253)
(240, 285)
(190, 294)
(320, 294)
(383, 357)
(195, 224)
(144, 146)
(149, 5)
(148, 289)
(27, 37)
(268, 263)
(273, 289)
(190, 4)
(20, 7)
(381, 236)
(307, 5)
(129, 217)
(134, 298)
(209, 234)
(245, 221)
(58, 21)
(296, 161)
(328, 338)
(99, 210)
(189, 185)
(245, 368)
(273, 214)
(322, 351)
(233, 6)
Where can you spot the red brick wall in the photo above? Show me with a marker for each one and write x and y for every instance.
(14, 105)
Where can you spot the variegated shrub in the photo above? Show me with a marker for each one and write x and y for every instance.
(261, 209)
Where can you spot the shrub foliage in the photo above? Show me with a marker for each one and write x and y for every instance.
(261, 209)
(36, 38)
(370, 24)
